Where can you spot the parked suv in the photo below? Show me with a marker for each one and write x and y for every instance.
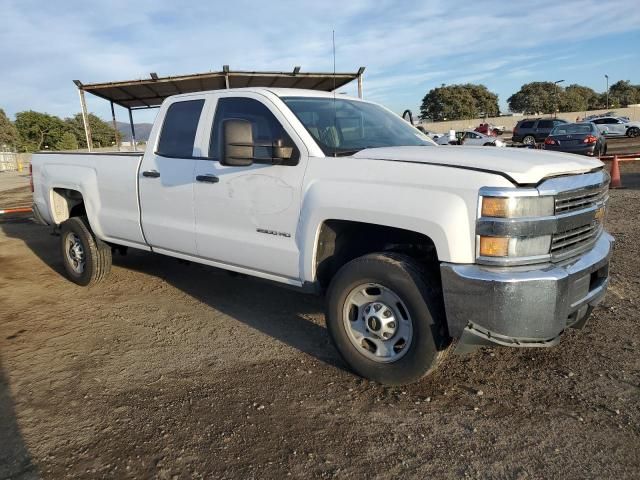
(534, 130)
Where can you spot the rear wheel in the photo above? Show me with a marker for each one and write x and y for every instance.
(386, 318)
(633, 132)
(529, 140)
(87, 260)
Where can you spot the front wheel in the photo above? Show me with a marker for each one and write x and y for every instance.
(633, 132)
(87, 260)
(385, 316)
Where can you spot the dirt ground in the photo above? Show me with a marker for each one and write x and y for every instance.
(170, 370)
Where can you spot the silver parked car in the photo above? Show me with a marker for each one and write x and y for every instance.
(617, 126)
(470, 137)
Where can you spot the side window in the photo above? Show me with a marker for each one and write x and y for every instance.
(526, 125)
(545, 124)
(179, 129)
(266, 128)
(600, 121)
(611, 121)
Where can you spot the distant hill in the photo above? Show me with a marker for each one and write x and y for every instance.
(142, 131)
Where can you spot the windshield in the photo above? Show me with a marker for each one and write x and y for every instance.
(344, 127)
(572, 129)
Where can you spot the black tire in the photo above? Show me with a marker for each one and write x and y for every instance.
(489, 144)
(633, 132)
(97, 254)
(529, 140)
(423, 300)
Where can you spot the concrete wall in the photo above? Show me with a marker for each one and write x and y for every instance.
(509, 122)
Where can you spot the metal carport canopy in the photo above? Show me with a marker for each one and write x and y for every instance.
(151, 92)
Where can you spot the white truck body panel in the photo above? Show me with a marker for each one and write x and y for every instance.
(108, 184)
(264, 219)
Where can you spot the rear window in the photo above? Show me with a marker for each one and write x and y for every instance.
(528, 124)
(179, 129)
(572, 129)
(545, 124)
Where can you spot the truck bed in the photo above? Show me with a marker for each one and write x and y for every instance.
(108, 183)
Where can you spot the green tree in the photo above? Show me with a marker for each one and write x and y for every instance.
(8, 132)
(455, 102)
(536, 97)
(39, 130)
(577, 98)
(102, 133)
(68, 141)
(623, 93)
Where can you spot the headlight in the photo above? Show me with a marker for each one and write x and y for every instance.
(505, 216)
(514, 246)
(517, 207)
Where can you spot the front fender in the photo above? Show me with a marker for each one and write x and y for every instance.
(408, 208)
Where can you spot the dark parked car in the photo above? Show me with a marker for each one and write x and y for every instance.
(582, 138)
(534, 130)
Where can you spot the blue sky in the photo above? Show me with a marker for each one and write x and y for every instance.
(408, 47)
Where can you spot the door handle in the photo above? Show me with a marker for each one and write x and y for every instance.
(151, 173)
(207, 178)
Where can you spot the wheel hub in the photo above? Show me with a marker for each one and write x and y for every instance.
(380, 320)
(75, 252)
(377, 322)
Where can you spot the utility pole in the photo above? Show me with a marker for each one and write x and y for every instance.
(607, 77)
(555, 115)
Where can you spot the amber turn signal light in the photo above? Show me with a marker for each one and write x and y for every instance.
(495, 207)
(494, 246)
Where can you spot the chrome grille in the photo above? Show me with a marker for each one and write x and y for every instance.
(571, 242)
(580, 199)
(566, 243)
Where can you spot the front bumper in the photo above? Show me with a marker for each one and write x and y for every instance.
(524, 306)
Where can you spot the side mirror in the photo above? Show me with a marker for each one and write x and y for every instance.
(238, 143)
(281, 151)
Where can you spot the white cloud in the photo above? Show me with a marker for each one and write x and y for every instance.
(407, 47)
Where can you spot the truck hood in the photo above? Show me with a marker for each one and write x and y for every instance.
(522, 166)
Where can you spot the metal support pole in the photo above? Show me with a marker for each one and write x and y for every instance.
(133, 132)
(360, 72)
(226, 80)
(115, 126)
(85, 120)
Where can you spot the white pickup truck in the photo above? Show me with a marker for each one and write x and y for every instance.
(418, 248)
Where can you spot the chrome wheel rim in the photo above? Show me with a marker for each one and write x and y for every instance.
(528, 140)
(377, 323)
(74, 252)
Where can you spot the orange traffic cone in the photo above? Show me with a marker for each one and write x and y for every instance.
(616, 182)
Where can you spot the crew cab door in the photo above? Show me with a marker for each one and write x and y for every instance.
(166, 179)
(247, 216)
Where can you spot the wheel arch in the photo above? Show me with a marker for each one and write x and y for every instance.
(66, 203)
(339, 241)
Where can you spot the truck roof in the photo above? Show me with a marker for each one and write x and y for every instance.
(280, 92)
